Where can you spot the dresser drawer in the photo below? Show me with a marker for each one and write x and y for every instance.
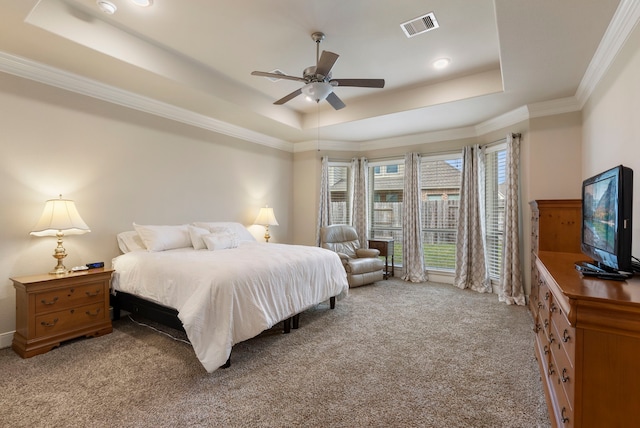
(565, 336)
(69, 319)
(564, 375)
(69, 297)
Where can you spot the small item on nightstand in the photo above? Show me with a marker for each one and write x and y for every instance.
(78, 268)
(95, 265)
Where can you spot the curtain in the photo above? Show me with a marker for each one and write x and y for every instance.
(471, 266)
(510, 289)
(412, 253)
(359, 169)
(324, 207)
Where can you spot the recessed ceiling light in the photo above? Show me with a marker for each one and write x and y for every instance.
(441, 63)
(143, 3)
(107, 7)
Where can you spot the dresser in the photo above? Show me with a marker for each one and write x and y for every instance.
(587, 340)
(53, 308)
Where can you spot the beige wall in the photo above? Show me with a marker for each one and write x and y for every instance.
(120, 166)
(611, 130)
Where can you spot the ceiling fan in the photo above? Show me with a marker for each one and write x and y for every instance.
(318, 82)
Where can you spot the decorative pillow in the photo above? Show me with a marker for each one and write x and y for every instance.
(130, 241)
(220, 241)
(196, 234)
(161, 238)
(241, 232)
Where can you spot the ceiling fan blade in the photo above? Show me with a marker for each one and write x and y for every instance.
(335, 101)
(276, 76)
(326, 62)
(289, 97)
(362, 83)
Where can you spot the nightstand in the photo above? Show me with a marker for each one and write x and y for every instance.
(53, 308)
(385, 246)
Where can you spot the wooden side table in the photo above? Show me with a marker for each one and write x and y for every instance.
(53, 308)
(385, 246)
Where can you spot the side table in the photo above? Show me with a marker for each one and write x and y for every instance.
(385, 246)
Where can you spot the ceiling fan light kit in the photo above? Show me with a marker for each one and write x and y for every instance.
(318, 81)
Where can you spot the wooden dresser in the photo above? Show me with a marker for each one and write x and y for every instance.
(53, 308)
(587, 338)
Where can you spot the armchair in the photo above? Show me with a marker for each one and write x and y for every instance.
(361, 264)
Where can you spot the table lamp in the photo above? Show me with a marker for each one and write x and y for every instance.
(60, 217)
(266, 218)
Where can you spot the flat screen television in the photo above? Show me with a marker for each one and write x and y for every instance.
(606, 218)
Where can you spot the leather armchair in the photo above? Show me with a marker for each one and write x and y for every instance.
(361, 264)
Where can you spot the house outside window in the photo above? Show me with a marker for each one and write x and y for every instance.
(440, 193)
(386, 187)
(339, 175)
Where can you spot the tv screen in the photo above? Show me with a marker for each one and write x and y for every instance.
(606, 218)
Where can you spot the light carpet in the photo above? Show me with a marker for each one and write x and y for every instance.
(392, 354)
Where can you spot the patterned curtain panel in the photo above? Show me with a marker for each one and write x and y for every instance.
(471, 267)
(412, 254)
(324, 207)
(510, 289)
(360, 172)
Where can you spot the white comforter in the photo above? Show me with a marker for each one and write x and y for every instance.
(224, 297)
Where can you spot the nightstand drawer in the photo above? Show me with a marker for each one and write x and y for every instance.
(69, 319)
(69, 297)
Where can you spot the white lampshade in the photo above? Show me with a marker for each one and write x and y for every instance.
(266, 217)
(317, 91)
(60, 215)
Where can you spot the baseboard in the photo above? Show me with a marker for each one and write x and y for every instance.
(5, 339)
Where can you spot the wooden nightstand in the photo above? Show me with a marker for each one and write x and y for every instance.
(53, 308)
(385, 246)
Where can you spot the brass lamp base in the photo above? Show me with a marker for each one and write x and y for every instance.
(59, 254)
(266, 233)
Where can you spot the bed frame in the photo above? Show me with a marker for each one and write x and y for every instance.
(164, 315)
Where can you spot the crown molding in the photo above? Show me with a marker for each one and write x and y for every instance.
(624, 20)
(51, 76)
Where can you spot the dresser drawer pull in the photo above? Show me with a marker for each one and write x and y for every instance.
(49, 324)
(564, 376)
(546, 296)
(44, 302)
(551, 370)
(551, 338)
(553, 307)
(565, 336)
(546, 323)
(93, 314)
(90, 294)
(564, 419)
(540, 305)
(546, 349)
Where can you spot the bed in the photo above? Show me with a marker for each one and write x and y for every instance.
(223, 286)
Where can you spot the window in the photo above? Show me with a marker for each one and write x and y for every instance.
(495, 163)
(386, 186)
(339, 175)
(440, 181)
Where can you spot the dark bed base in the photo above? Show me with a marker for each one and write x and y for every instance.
(167, 316)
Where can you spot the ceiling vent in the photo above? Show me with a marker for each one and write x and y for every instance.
(420, 25)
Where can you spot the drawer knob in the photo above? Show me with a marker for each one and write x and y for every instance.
(551, 370)
(546, 296)
(553, 307)
(563, 417)
(564, 376)
(565, 336)
(90, 294)
(546, 349)
(49, 324)
(44, 302)
(551, 338)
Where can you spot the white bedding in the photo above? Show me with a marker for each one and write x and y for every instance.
(227, 296)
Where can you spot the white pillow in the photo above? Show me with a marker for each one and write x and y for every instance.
(196, 234)
(220, 241)
(241, 232)
(130, 241)
(161, 238)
